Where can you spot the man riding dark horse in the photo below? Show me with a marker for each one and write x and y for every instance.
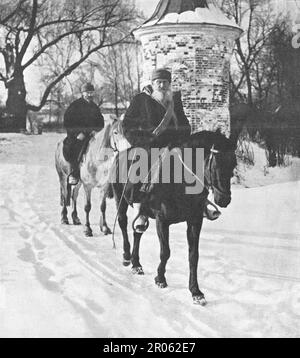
(82, 119)
(155, 119)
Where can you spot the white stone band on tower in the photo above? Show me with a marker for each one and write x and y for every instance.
(196, 46)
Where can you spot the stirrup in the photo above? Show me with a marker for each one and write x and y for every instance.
(142, 226)
(211, 214)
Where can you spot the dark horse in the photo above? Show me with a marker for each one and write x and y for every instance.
(169, 204)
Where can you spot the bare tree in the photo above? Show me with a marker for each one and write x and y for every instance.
(120, 69)
(35, 29)
(257, 20)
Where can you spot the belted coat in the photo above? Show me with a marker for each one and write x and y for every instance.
(145, 114)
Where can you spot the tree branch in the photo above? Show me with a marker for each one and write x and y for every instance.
(68, 72)
(31, 31)
(13, 13)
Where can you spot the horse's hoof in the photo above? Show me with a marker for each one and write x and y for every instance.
(137, 270)
(161, 284)
(65, 221)
(76, 222)
(199, 300)
(88, 232)
(126, 263)
(106, 230)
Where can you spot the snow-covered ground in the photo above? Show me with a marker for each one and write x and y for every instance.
(54, 282)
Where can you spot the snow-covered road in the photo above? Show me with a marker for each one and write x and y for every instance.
(54, 282)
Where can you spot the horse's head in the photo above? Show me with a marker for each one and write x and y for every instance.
(117, 140)
(220, 161)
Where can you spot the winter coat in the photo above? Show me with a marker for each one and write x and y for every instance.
(145, 114)
(82, 116)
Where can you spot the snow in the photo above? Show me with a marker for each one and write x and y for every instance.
(260, 174)
(54, 282)
(211, 15)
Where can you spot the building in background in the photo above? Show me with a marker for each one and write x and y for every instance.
(195, 41)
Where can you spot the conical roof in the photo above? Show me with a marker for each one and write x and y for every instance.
(188, 12)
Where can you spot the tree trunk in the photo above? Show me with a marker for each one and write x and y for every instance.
(249, 87)
(16, 102)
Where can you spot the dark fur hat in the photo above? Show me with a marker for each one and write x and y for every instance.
(161, 74)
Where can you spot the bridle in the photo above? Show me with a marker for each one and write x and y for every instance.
(113, 142)
(213, 152)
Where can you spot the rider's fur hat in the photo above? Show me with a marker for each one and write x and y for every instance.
(161, 74)
(88, 87)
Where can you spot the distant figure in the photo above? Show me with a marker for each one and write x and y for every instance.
(82, 119)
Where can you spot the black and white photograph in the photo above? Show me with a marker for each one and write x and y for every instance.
(150, 170)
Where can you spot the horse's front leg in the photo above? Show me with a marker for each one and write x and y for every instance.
(162, 229)
(122, 207)
(103, 224)
(75, 217)
(87, 208)
(193, 234)
(135, 259)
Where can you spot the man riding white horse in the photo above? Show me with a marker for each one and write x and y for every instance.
(155, 119)
(81, 119)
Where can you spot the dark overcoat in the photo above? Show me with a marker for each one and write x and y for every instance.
(80, 117)
(145, 114)
(83, 116)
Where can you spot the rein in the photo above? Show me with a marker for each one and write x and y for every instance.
(114, 146)
(213, 151)
(206, 186)
(189, 170)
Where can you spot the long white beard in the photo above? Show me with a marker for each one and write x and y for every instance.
(164, 97)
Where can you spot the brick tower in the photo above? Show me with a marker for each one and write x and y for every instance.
(194, 40)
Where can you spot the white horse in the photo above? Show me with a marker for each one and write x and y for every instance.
(94, 173)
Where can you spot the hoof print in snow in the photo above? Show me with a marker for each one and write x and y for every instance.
(199, 300)
(137, 271)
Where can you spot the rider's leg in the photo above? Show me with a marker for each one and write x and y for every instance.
(70, 153)
(79, 148)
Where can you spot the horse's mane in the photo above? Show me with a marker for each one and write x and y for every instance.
(106, 135)
(206, 139)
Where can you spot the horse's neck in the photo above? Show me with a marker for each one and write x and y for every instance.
(93, 152)
(199, 142)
